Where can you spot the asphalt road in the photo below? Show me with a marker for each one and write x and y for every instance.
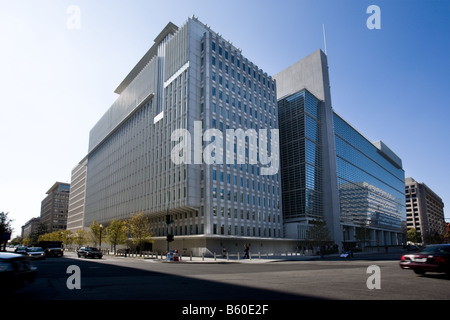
(118, 278)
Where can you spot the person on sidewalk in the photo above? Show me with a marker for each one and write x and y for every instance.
(246, 249)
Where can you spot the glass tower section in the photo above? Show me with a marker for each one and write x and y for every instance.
(300, 155)
(371, 185)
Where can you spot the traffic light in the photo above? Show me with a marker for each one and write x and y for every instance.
(168, 219)
(169, 237)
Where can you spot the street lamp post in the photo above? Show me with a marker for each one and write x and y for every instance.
(100, 245)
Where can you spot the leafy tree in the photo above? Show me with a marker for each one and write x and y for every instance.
(27, 241)
(447, 235)
(318, 232)
(48, 237)
(5, 228)
(66, 237)
(139, 228)
(5, 222)
(80, 237)
(116, 233)
(36, 235)
(97, 232)
(362, 234)
(414, 236)
(16, 241)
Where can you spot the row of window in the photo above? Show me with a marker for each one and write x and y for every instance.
(221, 176)
(245, 214)
(246, 231)
(222, 229)
(248, 199)
(238, 61)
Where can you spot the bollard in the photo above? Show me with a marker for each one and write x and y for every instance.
(259, 255)
(238, 257)
(228, 256)
(214, 256)
(203, 256)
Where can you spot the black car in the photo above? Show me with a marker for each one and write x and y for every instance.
(16, 271)
(89, 252)
(431, 258)
(21, 250)
(54, 252)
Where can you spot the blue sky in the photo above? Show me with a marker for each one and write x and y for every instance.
(56, 82)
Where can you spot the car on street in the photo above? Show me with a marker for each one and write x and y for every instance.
(16, 271)
(21, 250)
(431, 258)
(54, 252)
(89, 252)
(35, 253)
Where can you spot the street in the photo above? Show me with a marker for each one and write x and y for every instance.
(118, 278)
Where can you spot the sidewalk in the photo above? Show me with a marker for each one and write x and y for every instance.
(255, 258)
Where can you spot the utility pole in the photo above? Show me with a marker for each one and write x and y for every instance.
(168, 222)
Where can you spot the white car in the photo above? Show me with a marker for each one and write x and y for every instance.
(36, 253)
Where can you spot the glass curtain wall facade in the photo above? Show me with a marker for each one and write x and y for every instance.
(371, 189)
(301, 165)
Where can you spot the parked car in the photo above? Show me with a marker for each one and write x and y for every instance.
(431, 258)
(89, 252)
(413, 247)
(21, 250)
(15, 271)
(54, 252)
(36, 253)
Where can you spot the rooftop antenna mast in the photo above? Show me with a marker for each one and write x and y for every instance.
(324, 39)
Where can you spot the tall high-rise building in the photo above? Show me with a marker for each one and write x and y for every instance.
(190, 133)
(55, 207)
(329, 171)
(424, 211)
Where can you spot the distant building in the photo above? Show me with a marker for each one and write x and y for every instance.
(54, 207)
(75, 218)
(30, 227)
(424, 211)
(447, 232)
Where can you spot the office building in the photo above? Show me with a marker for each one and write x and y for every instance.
(163, 145)
(194, 133)
(54, 207)
(330, 171)
(424, 211)
(75, 218)
(30, 228)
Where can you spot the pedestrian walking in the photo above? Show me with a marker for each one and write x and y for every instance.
(246, 250)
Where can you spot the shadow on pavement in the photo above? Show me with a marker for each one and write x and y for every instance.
(103, 281)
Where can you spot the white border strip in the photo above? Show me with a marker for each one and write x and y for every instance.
(158, 117)
(176, 74)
